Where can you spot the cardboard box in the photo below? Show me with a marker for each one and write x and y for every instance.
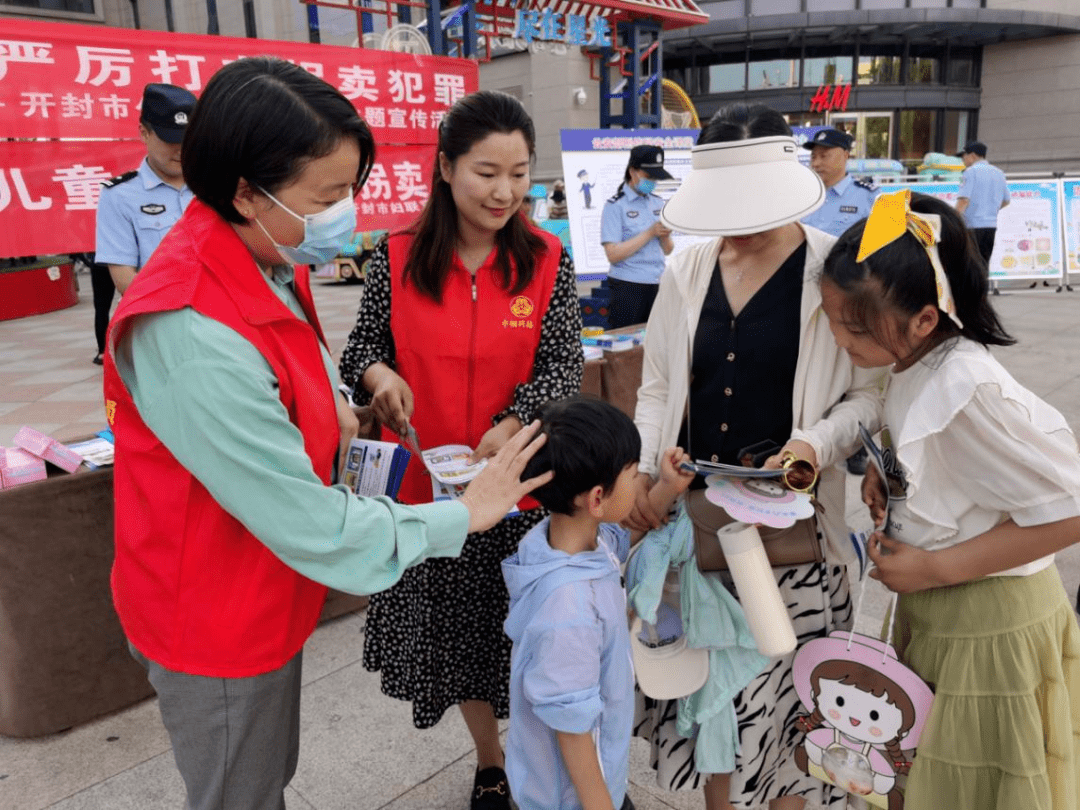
(47, 448)
(19, 467)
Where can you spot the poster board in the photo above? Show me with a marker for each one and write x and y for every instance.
(594, 163)
(1070, 187)
(1029, 240)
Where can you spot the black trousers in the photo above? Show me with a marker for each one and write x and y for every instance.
(104, 290)
(631, 302)
(984, 238)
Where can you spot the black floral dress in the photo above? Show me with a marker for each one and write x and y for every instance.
(437, 635)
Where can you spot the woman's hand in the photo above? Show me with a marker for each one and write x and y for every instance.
(644, 517)
(498, 487)
(802, 474)
(800, 449)
(348, 428)
(391, 397)
(875, 495)
(903, 568)
(493, 440)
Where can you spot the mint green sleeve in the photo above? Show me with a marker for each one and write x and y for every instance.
(211, 398)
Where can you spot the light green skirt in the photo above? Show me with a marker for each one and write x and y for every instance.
(1002, 655)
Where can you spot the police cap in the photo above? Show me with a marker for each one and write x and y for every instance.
(166, 109)
(829, 137)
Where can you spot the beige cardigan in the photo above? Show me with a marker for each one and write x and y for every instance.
(824, 375)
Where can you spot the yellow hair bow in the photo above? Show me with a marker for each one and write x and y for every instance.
(892, 217)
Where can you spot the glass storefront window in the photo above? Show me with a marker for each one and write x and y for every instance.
(916, 134)
(882, 67)
(727, 78)
(773, 73)
(806, 119)
(957, 129)
(826, 70)
(923, 69)
(84, 6)
(961, 69)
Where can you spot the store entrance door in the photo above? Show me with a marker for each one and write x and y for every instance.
(872, 132)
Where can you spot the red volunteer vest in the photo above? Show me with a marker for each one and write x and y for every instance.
(194, 590)
(464, 357)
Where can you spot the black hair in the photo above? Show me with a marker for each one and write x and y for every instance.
(589, 443)
(517, 244)
(739, 121)
(898, 280)
(264, 119)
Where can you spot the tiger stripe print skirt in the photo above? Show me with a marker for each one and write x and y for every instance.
(819, 601)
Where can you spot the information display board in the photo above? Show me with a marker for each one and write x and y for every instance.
(594, 163)
(1028, 243)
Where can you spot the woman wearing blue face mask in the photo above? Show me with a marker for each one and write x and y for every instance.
(223, 399)
(634, 239)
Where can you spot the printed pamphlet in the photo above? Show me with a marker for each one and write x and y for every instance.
(375, 468)
(449, 464)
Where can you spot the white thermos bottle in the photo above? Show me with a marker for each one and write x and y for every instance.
(760, 597)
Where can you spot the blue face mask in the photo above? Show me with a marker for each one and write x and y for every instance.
(646, 185)
(325, 233)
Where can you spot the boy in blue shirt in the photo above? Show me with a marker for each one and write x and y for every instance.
(571, 677)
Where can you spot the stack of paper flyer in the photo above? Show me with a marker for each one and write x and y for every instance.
(451, 471)
(375, 468)
(449, 464)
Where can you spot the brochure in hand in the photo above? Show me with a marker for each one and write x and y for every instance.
(449, 464)
(451, 492)
(730, 470)
(877, 458)
(375, 468)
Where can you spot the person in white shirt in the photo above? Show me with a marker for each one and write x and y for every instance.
(983, 489)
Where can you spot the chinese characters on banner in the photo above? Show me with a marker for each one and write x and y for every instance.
(79, 81)
(49, 190)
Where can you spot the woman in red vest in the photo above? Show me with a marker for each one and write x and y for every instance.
(469, 322)
(223, 398)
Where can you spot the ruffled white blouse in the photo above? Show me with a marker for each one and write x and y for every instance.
(975, 448)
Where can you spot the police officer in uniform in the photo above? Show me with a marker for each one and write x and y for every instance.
(137, 209)
(983, 192)
(634, 239)
(847, 200)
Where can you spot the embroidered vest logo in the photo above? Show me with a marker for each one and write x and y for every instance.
(521, 307)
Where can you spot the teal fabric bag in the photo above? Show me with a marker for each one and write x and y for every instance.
(713, 620)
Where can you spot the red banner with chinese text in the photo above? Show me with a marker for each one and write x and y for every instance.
(49, 191)
(82, 81)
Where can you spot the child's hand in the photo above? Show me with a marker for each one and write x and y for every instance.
(670, 471)
(874, 495)
(902, 568)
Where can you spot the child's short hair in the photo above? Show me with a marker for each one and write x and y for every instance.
(589, 443)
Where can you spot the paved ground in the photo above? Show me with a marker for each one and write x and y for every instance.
(359, 750)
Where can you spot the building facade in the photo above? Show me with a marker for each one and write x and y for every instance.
(905, 77)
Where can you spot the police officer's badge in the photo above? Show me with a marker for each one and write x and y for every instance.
(180, 119)
(152, 208)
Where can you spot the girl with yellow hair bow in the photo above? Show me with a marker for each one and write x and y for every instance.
(984, 488)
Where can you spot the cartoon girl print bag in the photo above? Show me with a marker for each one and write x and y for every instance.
(867, 712)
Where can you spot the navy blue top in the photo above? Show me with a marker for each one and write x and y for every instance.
(742, 376)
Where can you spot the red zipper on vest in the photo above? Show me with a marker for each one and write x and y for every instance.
(472, 358)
